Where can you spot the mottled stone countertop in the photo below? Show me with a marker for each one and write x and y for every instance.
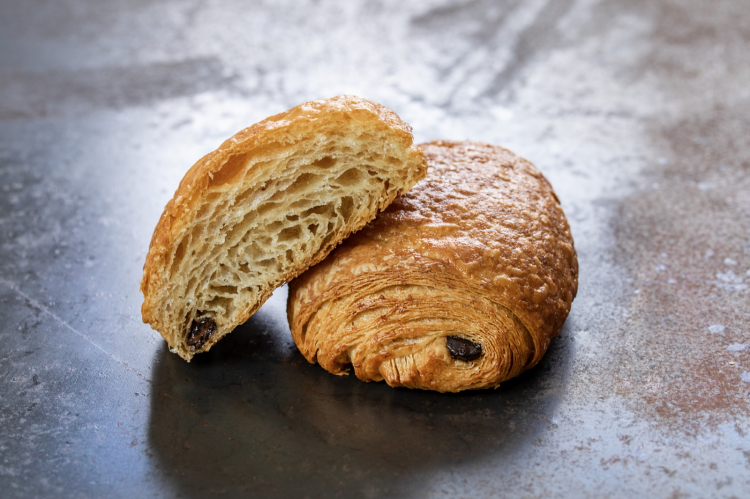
(638, 112)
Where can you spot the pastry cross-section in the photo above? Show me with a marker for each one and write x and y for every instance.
(273, 200)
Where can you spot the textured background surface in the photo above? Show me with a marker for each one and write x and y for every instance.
(638, 112)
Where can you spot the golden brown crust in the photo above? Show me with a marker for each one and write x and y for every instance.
(479, 249)
(223, 167)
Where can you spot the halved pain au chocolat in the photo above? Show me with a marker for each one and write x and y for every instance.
(463, 349)
(200, 332)
(271, 201)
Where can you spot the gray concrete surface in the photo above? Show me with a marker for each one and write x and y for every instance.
(638, 112)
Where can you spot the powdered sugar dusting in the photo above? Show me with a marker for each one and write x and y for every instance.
(717, 328)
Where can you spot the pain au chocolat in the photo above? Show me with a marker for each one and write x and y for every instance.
(271, 201)
(462, 283)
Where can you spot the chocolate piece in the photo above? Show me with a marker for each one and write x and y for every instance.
(200, 331)
(463, 349)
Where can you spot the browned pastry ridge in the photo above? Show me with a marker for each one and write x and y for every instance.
(271, 201)
(461, 283)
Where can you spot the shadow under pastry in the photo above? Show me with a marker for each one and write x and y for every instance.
(252, 415)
